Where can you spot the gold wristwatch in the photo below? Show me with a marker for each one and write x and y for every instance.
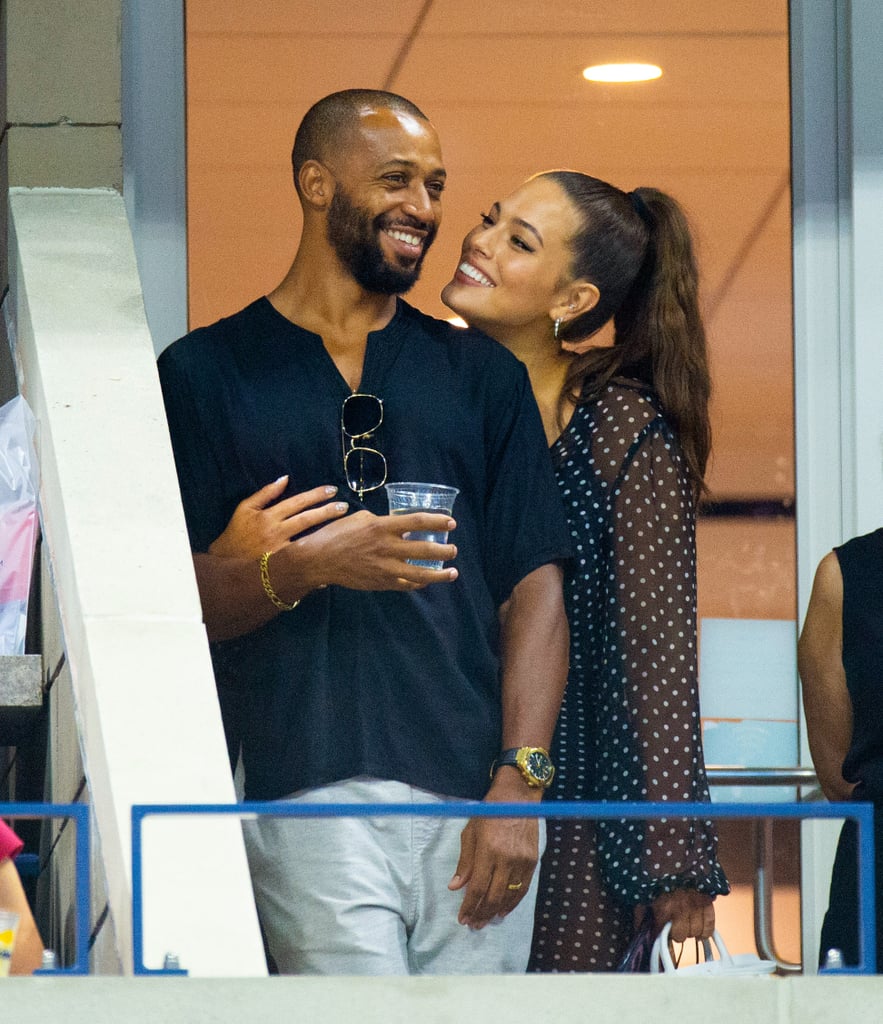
(534, 764)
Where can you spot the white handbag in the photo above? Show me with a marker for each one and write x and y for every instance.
(726, 965)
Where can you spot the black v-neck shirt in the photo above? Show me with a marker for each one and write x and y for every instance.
(400, 686)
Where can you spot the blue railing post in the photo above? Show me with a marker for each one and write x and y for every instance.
(79, 813)
(867, 887)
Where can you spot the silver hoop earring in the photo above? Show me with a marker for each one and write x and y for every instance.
(557, 327)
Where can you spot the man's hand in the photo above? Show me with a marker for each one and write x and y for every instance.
(368, 552)
(496, 853)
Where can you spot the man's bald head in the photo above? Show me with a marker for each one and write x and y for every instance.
(329, 124)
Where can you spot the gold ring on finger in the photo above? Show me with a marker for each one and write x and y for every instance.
(514, 886)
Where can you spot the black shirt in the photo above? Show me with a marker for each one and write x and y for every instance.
(392, 685)
(861, 565)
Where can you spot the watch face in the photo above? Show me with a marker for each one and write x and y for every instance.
(539, 765)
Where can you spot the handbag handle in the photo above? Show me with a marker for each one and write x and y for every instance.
(661, 954)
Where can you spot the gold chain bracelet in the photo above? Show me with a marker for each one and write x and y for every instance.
(268, 587)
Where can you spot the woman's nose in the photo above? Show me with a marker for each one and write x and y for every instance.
(480, 239)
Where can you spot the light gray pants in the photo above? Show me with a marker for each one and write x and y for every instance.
(370, 895)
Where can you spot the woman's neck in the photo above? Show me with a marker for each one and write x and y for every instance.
(547, 368)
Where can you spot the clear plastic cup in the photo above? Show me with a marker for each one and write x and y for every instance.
(407, 497)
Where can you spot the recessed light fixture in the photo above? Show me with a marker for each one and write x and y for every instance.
(622, 72)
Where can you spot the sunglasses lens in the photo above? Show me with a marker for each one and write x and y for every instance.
(361, 415)
(365, 469)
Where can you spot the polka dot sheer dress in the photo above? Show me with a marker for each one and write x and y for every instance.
(629, 727)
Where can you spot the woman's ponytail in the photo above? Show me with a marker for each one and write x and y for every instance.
(636, 248)
(660, 326)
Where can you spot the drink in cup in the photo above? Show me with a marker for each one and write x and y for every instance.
(405, 498)
(8, 931)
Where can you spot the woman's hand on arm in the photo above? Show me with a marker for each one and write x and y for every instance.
(825, 695)
(262, 523)
(233, 598)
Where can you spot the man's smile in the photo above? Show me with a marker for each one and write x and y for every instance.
(407, 242)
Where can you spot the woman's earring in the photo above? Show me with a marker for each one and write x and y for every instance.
(557, 327)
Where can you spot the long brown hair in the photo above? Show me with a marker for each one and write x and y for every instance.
(636, 248)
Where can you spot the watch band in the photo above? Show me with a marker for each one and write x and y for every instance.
(509, 756)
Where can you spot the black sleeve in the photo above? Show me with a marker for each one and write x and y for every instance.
(526, 526)
(199, 476)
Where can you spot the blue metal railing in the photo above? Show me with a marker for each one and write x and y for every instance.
(802, 777)
(862, 814)
(79, 813)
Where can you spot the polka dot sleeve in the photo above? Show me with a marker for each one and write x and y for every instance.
(651, 748)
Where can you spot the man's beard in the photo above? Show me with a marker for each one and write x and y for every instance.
(354, 237)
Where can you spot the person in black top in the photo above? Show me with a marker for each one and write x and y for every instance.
(840, 660)
(346, 672)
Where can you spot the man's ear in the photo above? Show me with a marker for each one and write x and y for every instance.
(577, 298)
(316, 184)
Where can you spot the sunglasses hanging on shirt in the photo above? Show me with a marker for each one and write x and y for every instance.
(364, 466)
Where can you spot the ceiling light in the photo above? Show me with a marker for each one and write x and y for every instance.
(622, 72)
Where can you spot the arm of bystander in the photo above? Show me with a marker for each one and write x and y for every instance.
(820, 664)
(27, 955)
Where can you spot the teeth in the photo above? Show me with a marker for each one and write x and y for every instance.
(476, 275)
(403, 236)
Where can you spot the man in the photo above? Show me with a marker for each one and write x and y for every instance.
(351, 674)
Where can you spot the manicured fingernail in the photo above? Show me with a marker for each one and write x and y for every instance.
(330, 490)
(342, 506)
(279, 479)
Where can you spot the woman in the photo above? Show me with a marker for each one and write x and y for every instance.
(542, 273)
